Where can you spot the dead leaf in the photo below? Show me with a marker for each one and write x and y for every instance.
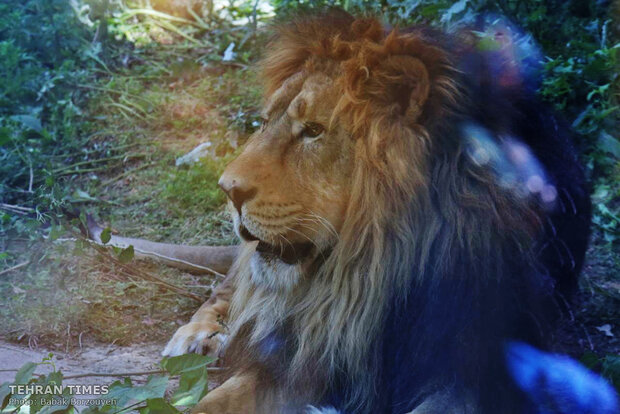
(606, 329)
(18, 290)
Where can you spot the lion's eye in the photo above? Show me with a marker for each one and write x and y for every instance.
(312, 130)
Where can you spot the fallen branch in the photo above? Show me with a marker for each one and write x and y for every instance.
(16, 208)
(145, 275)
(165, 252)
(18, 266)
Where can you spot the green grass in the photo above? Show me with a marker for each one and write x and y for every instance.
(138, 122)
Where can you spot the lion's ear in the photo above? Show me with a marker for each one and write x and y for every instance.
(404, 82)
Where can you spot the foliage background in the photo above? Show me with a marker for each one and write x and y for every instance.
(99, 97)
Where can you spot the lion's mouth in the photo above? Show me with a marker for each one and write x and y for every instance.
(289, 253)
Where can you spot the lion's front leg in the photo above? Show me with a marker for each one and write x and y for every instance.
(237, 395)
(205, 332)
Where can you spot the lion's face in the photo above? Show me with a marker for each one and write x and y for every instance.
(288, 189)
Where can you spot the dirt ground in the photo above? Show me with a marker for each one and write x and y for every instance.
(93, 358)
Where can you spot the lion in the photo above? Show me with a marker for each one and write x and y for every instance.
(406, 208)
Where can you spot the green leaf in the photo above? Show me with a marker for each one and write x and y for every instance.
(185, 363)
(609, 144)
(589, 359)
(24, 375)
(155, 387)
(191, 389)
(29, 121)
(80, 195)
(55, 232)
(456, 8)
(126, 255)
(52, 402)
(611, 369)
(98, 410)
(158, 406)
(5, 392)
(193, 384)
(5, 135)
(124, 392)
(105, 235)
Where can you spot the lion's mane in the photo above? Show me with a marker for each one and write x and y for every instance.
(436, 263)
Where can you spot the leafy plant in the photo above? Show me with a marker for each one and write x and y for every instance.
(121, 395)
(607, 365)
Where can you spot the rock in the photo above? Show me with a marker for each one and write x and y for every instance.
(194, 155)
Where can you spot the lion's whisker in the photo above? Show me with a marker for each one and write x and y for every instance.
(318, 248)
(322, 220)
(303, 235)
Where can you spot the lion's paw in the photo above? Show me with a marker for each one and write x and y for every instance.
(196, 337)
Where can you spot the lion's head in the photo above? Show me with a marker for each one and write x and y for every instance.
(338, 108)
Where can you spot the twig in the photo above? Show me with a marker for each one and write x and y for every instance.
(114, 374)
(254, 17)
(68, 337)
(153, 13)
(16, 211)
(31, 179)
(145, 275)
(118, 177)
(132, 271)
(127, 374)
(172, 28)
(151, 255)
(18, 208)
(198, 19)
(84, 170)
(94, 151)
(98, 160)
(128, 109)
(18, 266)
(15, 370)
(587, 337)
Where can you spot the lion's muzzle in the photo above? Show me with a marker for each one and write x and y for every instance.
(238, 191)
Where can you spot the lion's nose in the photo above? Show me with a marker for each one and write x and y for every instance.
(238, 191)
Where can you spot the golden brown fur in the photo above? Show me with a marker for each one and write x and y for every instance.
(341, 303)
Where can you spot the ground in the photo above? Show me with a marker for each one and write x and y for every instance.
(68, 293)
(106, 359)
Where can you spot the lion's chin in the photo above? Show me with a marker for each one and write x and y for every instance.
(289, 253)
(271, 273)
